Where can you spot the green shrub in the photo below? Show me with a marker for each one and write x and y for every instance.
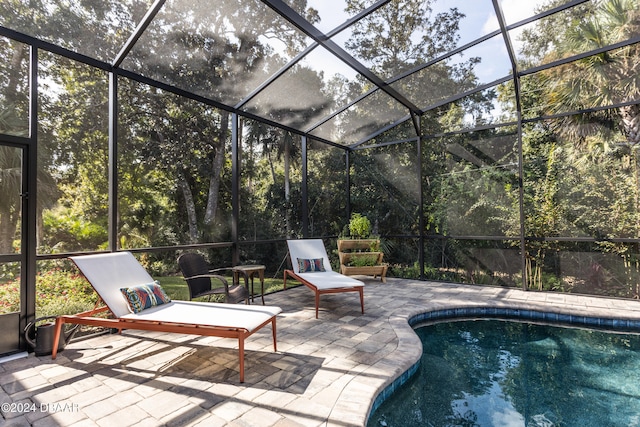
(57, 292)
(363, 260)
(63, 292)
(359, 226)
(65, 230)
(405, 271)
(10, 297)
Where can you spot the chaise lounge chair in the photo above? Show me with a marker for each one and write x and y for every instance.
(312, 268)
(111, 273)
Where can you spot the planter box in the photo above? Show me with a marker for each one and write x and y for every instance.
(375, 271)
(349, 249)
(358, 245)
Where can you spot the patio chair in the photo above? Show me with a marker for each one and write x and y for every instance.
(312, 268)
(146, 307)
(199, 280)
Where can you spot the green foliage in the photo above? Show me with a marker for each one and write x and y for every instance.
(57, 292)
(405, 271)
(434, 273)
(62, 292)
(359, 226)
(363, 259)
(9, 297)
(175, 287)
(65, 231)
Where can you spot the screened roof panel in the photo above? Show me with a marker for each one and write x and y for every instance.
(402, 132)
(320, 81)
(395, 38)
(95, 28)
(596, 81)
(608, 31)
(517, 10)
(362, 119)
(296, 99)
(325, 15)
(478, 20)
(532, 52)
(222, 52)
(478, 65)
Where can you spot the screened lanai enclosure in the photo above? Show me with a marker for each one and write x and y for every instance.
(492, 142)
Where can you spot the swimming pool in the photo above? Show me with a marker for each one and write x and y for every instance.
(508, 373)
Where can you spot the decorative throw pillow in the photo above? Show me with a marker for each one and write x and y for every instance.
(145, 296)
(310, 265)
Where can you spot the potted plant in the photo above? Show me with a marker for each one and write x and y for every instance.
(360, 254)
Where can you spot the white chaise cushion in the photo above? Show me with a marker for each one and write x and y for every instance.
(330, 280)
(234, 316)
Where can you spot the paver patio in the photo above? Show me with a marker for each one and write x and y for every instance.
(326, 372)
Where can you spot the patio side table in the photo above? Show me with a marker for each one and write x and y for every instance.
(248, 271)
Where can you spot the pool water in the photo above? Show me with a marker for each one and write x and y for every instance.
(504, 373)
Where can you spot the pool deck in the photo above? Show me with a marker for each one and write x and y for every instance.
(326, 372)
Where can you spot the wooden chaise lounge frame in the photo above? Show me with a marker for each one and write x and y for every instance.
(326, 282)
(107, 273)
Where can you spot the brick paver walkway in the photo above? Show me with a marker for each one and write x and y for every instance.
(327, 371)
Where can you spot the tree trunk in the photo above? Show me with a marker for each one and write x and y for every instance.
(630, 116)
(217, 162)
(20, 54)
(7, 230)
(9, 220)
(190, 206)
